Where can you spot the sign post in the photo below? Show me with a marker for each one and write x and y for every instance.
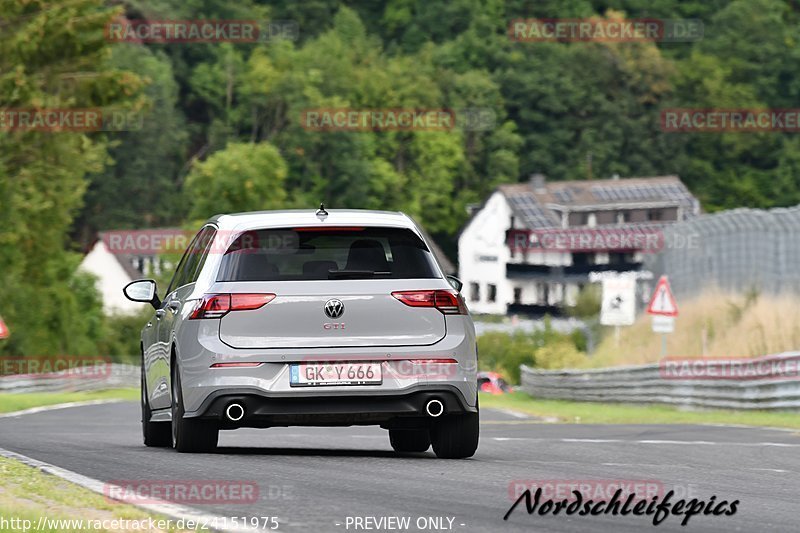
(618, 307)
(663, 308)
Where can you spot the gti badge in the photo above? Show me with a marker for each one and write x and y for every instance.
(334, 308)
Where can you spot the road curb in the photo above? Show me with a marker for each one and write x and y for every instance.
(56, 406)
(171, 510)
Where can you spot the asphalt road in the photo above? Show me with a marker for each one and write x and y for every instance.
(312, 479)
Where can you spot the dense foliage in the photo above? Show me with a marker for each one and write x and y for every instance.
(544, 348)
(222, 130)
(569, 110)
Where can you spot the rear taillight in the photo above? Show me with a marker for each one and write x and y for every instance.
(449, 302)
(219, 305)
(235, 365)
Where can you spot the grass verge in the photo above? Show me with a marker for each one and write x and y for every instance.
(28, 494)
(714, 324)
(609, 413)
(26, 400)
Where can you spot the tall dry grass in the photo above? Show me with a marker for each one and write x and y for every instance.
(714, 324)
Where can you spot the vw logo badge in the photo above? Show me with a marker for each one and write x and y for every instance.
(334, 308)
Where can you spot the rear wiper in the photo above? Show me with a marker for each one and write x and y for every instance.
(354, 274)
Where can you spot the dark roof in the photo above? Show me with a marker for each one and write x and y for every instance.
(444, 261)
(127, 262)
(131, 263)
(541, 206)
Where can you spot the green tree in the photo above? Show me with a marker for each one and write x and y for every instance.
(52, 55)
(242, 177)
(147, 161)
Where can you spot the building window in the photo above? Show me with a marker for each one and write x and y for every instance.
(654, 214)
(542, 294)
(491, 291)
(474, 292)
(517, 295)
(620, 258)
(582, 259)
(623, 217)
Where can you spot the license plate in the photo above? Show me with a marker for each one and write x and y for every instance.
(320, 374)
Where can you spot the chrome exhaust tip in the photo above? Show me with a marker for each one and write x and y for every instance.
(434, 408)
(234, 412)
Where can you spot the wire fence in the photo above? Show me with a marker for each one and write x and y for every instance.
(739, 250)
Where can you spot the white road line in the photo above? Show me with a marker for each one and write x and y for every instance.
(650, 441)
(650, 465)
(160, 507)
(794, 431)
(515, 414)
(172, 510)
(54, 407)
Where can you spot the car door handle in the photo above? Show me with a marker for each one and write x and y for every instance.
(174, 306)
(160, 313)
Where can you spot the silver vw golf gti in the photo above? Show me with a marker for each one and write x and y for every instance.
(288, 318)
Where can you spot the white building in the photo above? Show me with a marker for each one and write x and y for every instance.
(114, 270)
(617, 216)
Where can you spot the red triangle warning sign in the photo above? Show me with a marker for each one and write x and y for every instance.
(3, 329)
(663, 302)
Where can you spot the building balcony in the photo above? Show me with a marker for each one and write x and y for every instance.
(522, 270)
(536, 311)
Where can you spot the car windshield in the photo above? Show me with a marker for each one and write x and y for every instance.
(325, 253)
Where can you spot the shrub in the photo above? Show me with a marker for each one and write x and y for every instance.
(121, 340)
(545, 348)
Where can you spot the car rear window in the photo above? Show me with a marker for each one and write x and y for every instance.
(323, 253)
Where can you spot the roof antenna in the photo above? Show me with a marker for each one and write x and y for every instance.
(321, 211)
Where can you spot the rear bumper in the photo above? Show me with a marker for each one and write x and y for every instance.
(392, 411)
(199, 348)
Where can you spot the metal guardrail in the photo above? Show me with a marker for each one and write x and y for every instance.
(777, 385)
(111, 376)
(776, 388)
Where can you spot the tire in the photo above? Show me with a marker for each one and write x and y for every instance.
(410, 440)
(190, 435)
(155, 434)
(456, 436)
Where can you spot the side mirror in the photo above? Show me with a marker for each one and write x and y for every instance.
(142, 290)
(455, 283)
